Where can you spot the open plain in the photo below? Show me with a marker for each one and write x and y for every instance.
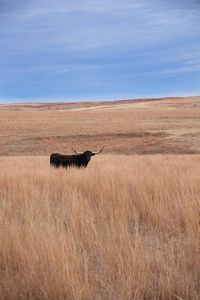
(127, 227)
(170, 126)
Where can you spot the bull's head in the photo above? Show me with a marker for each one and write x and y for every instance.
(88, 154)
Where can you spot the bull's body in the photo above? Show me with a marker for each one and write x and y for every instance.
(77, 160)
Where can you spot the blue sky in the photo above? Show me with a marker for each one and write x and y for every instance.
(60, 50)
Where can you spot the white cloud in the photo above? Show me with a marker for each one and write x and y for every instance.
(92, 24)
(95, 42)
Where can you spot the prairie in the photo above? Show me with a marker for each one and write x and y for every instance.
(167, 126)
(127, 227)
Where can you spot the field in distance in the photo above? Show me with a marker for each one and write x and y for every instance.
(168, 125)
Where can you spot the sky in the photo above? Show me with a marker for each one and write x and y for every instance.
(63, 50)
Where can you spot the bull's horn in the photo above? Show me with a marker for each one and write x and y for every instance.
(99, 151)
(76, 151)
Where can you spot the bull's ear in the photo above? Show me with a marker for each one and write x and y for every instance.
(93, 153)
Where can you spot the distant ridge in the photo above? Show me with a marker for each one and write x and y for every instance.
(85, 104)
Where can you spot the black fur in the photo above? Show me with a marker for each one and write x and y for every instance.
(77, 160)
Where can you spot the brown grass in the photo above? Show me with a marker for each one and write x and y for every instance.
(127, 227)
(170, 126)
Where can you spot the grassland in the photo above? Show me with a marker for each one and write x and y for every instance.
(167, 126)
(127, 227)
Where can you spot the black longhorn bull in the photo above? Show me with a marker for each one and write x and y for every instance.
(77, 160)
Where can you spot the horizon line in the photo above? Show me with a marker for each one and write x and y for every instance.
(37, 101)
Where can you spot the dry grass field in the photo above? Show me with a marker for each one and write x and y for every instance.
(127, 227)
(144, 127)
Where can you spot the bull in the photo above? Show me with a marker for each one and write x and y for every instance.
(78, 160)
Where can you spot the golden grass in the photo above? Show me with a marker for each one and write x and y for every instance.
(170, 126)
(127, 227)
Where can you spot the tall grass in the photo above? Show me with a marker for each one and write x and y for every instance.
(124, 228)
